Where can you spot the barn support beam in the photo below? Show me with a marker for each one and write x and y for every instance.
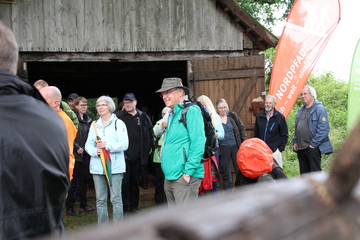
(126, 57)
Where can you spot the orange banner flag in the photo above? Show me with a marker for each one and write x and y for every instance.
(308, 28)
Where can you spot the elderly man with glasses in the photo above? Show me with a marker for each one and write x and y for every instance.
(183, 148)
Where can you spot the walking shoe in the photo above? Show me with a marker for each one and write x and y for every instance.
(70, 212)
(87, 209)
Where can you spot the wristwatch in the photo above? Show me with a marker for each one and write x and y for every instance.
(187, 175)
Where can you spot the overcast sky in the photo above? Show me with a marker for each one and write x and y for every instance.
(338, 53)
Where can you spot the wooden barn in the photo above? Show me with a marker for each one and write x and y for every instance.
(97, 47)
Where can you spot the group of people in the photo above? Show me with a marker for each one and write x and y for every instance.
(311, 138)
(39, 171)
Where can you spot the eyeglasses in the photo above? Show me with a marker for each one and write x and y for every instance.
(83, 105)
(167, 92)
(101, 105)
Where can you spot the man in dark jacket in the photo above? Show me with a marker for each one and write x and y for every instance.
(34, 154)
(271, 127)
(141, 135)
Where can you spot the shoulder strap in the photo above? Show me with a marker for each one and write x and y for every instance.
(116, 124)
(187, 104)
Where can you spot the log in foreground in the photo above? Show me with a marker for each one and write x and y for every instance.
(316, 206)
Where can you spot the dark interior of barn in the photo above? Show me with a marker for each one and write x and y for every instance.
(93, 79)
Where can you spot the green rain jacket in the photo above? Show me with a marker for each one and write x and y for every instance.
(183, 149)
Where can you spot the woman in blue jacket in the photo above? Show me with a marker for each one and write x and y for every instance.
(114, 138)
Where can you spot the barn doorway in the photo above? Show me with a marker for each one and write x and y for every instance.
(93, 79)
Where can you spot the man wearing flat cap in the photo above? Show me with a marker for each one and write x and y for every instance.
(141, 137)
(183, 148)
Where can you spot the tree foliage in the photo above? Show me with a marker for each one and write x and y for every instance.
(267, 12)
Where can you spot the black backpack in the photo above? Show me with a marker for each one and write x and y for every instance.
(210, 145)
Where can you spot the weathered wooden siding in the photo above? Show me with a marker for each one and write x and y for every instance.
(121, 25)
(236, 79)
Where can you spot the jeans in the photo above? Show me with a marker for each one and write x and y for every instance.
(101, 189)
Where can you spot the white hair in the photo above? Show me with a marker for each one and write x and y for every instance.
(272, 97)
(109, 102)
(221, 100)
(312, 91)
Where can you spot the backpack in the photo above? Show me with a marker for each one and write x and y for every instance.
(210, 144)
(211, 169)
(254, 158)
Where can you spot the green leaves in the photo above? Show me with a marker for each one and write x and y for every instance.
(267, 12)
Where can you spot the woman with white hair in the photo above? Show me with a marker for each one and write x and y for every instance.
(109, 133)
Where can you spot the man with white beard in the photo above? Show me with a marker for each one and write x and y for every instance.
(271, 127)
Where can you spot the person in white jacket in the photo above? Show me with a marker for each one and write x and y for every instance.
(114, 138)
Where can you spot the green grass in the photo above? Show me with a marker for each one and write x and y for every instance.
(77, 223)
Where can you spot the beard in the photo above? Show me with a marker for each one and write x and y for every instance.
(268, 109)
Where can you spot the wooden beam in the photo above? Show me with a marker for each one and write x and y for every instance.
(124, 57)
(256, 42)
(8, 1)
(224, 74)
(240, 102)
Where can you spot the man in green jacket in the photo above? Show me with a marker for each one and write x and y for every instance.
(183, 149)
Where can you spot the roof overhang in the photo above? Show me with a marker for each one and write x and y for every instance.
(261, 37)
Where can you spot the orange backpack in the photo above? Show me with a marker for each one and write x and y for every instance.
(254, 158)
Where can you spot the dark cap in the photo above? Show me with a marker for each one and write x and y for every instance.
(170, 83)
(129, 96)
(73, 96)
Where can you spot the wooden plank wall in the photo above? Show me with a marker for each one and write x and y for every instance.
(236, 79)
(121, 25)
